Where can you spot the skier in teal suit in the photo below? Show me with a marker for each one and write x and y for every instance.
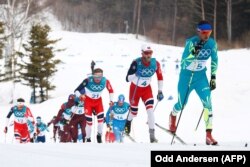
(198, 50)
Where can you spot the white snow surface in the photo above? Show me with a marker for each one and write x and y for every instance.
(114, 54)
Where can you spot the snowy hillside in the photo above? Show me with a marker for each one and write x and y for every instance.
(114, 53)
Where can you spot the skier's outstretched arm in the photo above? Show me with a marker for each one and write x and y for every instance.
(59, 115)
(7, 120)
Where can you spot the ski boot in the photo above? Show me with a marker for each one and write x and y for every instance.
(172, 123)
(88, 140)
(152, 136)
(209, 139)
(128, 127)
(99, 138)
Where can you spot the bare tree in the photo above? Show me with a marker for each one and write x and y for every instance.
(134, 15)
(215, 18)
(174, 24)
(229, 20)
(15, 16)
(138, 18)
(202, 10)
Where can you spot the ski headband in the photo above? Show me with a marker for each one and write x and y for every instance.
(20, 103)
(203, 27)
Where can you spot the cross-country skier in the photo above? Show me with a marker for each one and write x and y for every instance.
(94, 86)
(139, 74)
(41, 129)
(63, 118)
(197, 51)
(116, 117)
(21, 114)
(78, 119)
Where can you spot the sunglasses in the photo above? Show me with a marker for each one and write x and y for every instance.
(97, 76)
(20, 103)
(148, 52)
(205, 32)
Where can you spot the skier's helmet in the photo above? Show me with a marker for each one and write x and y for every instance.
(121, 98)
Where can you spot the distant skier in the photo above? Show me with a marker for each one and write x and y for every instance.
(41, 129)
(139, 74)
(197, 51)
(78, 119)
(116, 117)
(63, 118)
(177, 66)
(21, 115)
(94, 86)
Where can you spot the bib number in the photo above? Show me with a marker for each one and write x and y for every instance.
(95, 96)
(144, 83)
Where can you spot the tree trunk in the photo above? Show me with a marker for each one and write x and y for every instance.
(34, 93)
(215, 18)
(42, 94)
(229, 21)
(138, 19)
(202, 10)
(174, 24)
(134, 15)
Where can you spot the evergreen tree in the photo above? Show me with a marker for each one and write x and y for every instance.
(41, 64)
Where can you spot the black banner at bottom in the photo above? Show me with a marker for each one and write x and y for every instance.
(200, 158)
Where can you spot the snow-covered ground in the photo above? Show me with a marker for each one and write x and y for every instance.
(114, 53)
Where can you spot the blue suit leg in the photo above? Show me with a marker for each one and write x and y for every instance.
(182, 92)
(117, 133)
(203, 90)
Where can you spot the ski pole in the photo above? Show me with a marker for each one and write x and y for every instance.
(4, 137)
(94, 127)
(199, 120)
(156, 105)
(182, 108)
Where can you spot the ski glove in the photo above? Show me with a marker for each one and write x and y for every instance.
(111, 104)
(160, 96)
(5, 129)
(109, 126)
(213, 82)
(138, 73)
